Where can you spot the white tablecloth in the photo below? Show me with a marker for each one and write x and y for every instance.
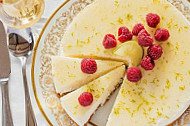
(15, 83)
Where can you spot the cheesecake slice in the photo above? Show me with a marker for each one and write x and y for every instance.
(67, 74)
(100, 88)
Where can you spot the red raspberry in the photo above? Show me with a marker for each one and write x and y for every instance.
(109, 41)
(124, 34)
(144, 38)
(147, 63)
(88, 65)
(161, 34)
(134, 74)
(85, 99)
(152, 20)
(155, 51)
(137, 28)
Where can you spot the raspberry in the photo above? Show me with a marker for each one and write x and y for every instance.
(147, 63)
(124, 34)
(109, 41)
(134, 74)
(144, 38)
(88, 65)
(85, 99)
(152, 20)
(161, 34)
(137, 28)
(155, 51)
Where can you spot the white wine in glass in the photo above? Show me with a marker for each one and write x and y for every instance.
(21, 13)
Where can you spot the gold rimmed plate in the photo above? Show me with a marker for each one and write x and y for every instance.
(48, 45)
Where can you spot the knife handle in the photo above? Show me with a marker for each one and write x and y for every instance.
(6, 111)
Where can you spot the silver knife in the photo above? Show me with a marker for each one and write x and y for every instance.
(5, 70)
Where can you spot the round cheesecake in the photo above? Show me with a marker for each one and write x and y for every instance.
(162, 92)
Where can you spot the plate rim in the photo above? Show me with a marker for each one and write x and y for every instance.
(34, 57)
(170, 121)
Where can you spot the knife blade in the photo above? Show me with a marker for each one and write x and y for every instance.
(5, 68)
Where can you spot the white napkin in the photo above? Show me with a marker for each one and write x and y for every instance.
(15, 83)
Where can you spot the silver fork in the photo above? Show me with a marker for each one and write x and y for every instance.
(21, 45)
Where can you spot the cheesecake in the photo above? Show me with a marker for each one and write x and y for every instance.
(162, 93)
(68, 76)
(100, 88)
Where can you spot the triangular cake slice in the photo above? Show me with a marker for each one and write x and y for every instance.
(100, 88)
(67, 74)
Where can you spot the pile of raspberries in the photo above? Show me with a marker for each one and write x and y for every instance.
(154, 51)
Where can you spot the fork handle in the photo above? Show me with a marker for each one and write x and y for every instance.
(30, 117)
(6, 111)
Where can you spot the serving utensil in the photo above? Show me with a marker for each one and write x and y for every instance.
(21, 45)
(5, 70)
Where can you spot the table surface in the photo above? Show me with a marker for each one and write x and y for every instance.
(16, 88)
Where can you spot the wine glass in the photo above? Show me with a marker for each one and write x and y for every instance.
(21, 13)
